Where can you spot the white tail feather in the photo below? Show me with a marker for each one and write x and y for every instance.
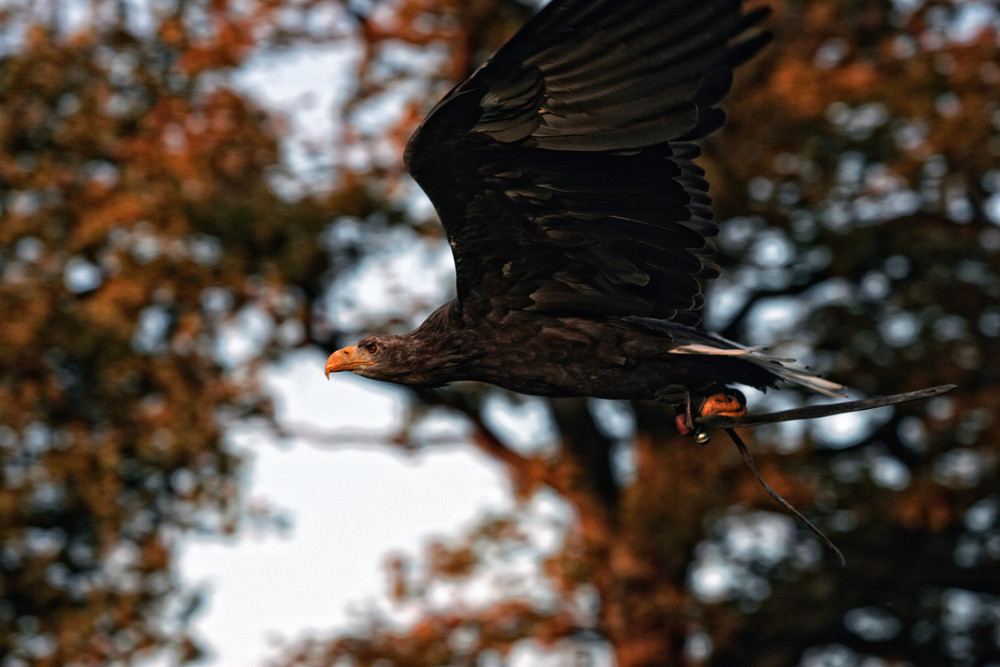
(806, 379)
(693, 341)
(777, 365)
(694, 348)
(796, 374)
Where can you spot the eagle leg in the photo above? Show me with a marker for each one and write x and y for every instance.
(727, 403)
(684, 420)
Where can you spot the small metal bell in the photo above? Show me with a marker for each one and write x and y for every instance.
(702, 437)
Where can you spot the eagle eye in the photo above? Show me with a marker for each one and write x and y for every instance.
(371, 348)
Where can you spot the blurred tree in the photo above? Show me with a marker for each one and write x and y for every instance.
(137, 228)
(858, 189)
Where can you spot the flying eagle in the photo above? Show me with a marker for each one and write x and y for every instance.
(563, 173)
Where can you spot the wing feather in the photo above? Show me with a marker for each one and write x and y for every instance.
(563, 168)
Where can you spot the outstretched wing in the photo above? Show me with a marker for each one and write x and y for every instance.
(562, 168)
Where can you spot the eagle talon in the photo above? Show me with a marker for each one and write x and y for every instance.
(730, 403)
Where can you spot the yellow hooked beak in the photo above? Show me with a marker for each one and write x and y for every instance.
(347, 359)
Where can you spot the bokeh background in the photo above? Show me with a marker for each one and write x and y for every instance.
(199, 199)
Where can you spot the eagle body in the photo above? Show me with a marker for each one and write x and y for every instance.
(545, 355)
(563, 171)
(571, 357)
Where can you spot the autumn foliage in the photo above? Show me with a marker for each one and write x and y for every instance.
(857, 186)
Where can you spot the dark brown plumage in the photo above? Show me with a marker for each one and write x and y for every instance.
(563, 173)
